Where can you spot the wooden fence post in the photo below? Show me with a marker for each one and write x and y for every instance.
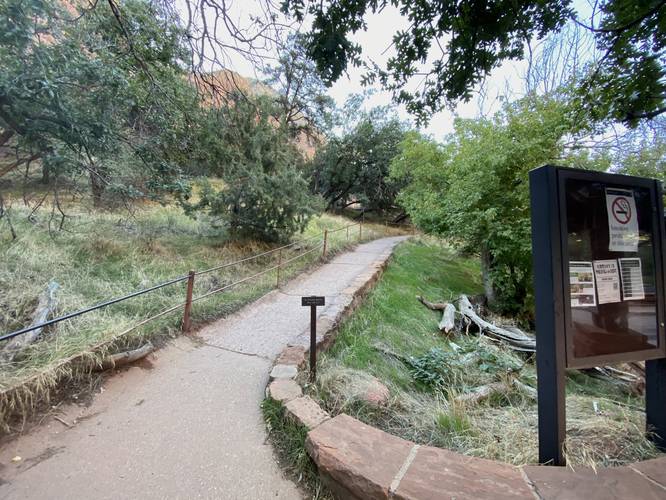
(323, 254)
(188, 302)
(278, 267)
(360, 230)
(347, 233)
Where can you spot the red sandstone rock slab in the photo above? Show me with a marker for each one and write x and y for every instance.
(442, 474)
(615, 483)
(284, 390)
(358, 460)
(306, 412)
(284, 372)
(655, 469)
(375, 393)
(292, 355)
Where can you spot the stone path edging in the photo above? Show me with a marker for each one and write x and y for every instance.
(358, 461)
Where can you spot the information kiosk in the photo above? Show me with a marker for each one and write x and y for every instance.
(597, 245)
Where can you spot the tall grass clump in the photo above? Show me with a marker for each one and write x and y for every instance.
(102, 255)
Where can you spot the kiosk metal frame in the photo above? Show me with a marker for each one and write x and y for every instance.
(555, 351)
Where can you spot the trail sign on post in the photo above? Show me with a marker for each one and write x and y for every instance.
(313, 301)
(597, 247)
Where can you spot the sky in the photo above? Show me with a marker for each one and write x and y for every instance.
(375, 42)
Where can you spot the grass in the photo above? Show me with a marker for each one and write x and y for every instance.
(102, 255)
(288, 439)
(394, 338)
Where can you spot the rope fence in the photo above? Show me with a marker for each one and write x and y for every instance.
(190, 278)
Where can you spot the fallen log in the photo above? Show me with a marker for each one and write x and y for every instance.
(482, 393)
(45, 307)
(433, 306)
(514, 338)
(123, 358)
(448, 321)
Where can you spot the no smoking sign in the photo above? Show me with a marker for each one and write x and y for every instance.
(622, 220)
(621, 210)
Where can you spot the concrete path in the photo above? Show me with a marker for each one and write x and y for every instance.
(187, 423)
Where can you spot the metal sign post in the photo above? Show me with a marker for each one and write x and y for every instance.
(313, 302)
(597, 249)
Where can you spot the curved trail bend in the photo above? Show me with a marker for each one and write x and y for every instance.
(191, 425)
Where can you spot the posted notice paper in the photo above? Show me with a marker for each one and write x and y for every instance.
(607, 277)
(581, 284)
(622, 220)
(632, 279)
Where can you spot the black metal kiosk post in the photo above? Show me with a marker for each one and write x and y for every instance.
(597, 245)
(547, 264)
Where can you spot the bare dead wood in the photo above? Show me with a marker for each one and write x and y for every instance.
(63, 421)
(123, 358)
(448, 321)
(45, 307)
(514, 338)
(433, 306)
(482, 393)
(525, 389)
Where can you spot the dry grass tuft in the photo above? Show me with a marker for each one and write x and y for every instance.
(105, 255)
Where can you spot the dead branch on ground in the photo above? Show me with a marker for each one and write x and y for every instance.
(124, 358)
(45, 307)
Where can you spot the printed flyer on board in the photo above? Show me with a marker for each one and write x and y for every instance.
(607, 277)
(581, 284)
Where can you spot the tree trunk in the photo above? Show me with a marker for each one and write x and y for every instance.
(97, 187)
(46, 174)
(488, 288)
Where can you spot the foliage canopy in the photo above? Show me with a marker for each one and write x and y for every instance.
(473, 189)
(450, 46)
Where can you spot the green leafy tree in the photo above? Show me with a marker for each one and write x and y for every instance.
(452, 45)
(265, 193)
(89, 94)
(643, 155)
(355, 167)
(473, 189)
(302, 95)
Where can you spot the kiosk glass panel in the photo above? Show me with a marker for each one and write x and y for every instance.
(610, 269)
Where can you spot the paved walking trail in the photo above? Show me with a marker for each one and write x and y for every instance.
(186, 424)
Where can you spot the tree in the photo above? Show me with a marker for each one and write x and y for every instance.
(265, 193)
(302, 97)
(355, 167)
(451, 46)
(83, 94)
(473, 189)
(643, 153)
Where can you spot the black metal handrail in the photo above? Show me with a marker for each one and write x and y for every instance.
(107, 303)
(53, 321)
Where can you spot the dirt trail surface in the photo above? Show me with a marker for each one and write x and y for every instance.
(186, 423)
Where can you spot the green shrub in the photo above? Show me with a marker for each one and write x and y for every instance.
(435, 369)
